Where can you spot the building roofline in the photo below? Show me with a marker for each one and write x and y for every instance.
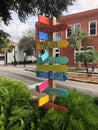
(88, 13)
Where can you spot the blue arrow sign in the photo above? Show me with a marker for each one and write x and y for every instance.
(43, 36)
(51, 75)
(58, 38)
(56, 91)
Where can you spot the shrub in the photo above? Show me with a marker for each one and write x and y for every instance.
(19, 112)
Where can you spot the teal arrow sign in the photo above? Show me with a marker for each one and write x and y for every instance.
(44, 56)
(53, 60)
(56, 91)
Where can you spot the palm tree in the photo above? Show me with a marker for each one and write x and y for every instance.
(4, 43)
(76, 39)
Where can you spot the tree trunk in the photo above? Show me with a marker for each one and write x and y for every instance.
(93, 68)
(85, 64)
(79, 50)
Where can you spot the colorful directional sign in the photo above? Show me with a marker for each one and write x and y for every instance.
(52, 44)
(52, 68)
(51, 75)
(53, 60)
(44, 56)
(43, 35)
(43, 86)
(43, 19)
(56, 68)
(56, 91)
(50, 105)
(43, 100)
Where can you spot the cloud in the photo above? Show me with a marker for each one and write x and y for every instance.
(16, 27)
(82, 5)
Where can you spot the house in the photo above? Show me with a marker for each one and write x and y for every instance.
(10, 57)
(87, 21)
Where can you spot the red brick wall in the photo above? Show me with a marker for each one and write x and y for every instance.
(83, 18)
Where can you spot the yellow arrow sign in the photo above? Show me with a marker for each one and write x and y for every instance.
(52, 44)
(56, 68)
(43, 100)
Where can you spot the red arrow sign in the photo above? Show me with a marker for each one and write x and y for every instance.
(50, 105)
(43, 19)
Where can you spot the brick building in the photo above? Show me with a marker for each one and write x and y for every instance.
(88, 21)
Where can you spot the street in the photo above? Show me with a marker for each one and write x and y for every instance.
(29, 78)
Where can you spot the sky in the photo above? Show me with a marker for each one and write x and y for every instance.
(16, 27)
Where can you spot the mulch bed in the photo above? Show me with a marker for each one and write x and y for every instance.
(83, 77)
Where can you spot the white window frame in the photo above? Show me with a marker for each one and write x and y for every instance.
(67, 31)
(58, 52)
(75, 27)
(96, 28)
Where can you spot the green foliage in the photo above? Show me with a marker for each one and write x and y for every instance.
(27, 43)
(25, 8)
(82, 112)
(88, 56)
(16, 109)
(52, 120)
(4, 40)
(76, 38)
(19, 112)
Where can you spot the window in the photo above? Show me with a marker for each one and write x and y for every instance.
(76, 26)
(92, 27)
(57, 52)
(69, 31)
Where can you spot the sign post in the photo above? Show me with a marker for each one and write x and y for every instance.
(48, 66)
(52, 53)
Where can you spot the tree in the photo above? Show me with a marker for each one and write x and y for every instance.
(87, 57)
(27, 45)
(25, 8)
(5, 43)
(76, 39)
(4, 40)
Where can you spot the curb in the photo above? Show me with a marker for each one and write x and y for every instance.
(77, 80)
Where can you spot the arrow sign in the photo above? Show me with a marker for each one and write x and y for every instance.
(53, 28)
(58, 38)
(43, 36)
(44, 56)
(43, 19)
(56, 92)
(50, 105)
(52, 75)
(53, 60)
(51, 44)
(56, 68)
(43, 86)
(43, 100)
